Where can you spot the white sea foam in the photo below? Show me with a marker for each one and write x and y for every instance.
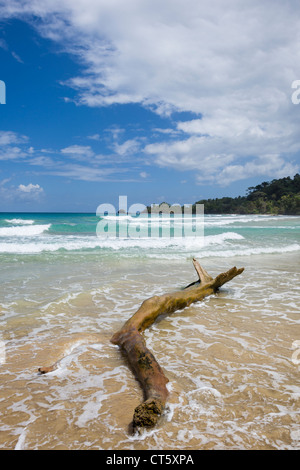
(206, 246)
(23, 230)
(20, 445)
(220, 238)
(157, 252)
(19, 221)
(72, 243)
(208, 220)
(251, 251)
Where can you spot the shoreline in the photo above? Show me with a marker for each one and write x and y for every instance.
(229, 359)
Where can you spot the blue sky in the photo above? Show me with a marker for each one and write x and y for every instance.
(160, 101)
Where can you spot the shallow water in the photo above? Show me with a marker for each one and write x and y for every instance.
(231, 360)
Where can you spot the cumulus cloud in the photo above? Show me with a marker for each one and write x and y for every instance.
(232, 65)
(30, 188)
(22, 193)
(226, 149)
(30, 191)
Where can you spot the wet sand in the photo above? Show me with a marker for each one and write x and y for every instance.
(234, 379)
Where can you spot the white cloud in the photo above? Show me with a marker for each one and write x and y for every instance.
(29, 192)
(177, 54)
(83, 173)
(129, 147)
(271, 166)
(8, 148)
(22, 193)
(12, 153)
(90, 167)
(4, 182)
(78, 151)
(9, 138)
(17, 57)
(232, 64)
(223, 150)
(30, 188)
(94, 137)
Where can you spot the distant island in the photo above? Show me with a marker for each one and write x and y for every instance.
(279, 197)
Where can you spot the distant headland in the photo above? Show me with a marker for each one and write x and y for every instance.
(278, 197)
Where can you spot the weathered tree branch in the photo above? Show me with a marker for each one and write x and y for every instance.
(141, 360)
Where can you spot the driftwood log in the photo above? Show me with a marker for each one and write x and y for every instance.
(141, 360)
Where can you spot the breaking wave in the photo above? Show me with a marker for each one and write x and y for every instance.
(23, 230)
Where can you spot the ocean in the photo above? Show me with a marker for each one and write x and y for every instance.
(232, 360)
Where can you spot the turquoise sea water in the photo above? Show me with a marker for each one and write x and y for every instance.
(232, 360)
(222, 236)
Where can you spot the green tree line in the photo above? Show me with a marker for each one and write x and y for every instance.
(279, 196)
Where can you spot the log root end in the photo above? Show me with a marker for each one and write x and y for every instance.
(148, 413)
(45, 370)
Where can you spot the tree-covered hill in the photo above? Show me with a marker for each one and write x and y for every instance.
(281, 196)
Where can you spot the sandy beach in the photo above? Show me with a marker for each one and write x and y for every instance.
(231, 360)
